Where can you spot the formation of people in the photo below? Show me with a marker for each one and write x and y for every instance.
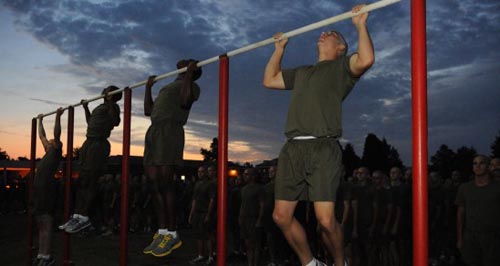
(362, 221)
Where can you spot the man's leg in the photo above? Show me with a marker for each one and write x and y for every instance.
(331, 232)
(86, 192)
(168, 194)
(44, 233)
(170, 239)
(292, 229)
(154, 180)
(158, 205)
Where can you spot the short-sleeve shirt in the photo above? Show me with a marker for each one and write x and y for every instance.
(47, 167)
(317, 93)
(482, 206)
(251, 196)
(204, 191)
(101, 122)
(365, 196)
(167, 106)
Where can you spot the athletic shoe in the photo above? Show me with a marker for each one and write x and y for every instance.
(68, 223)
(156, 241)
(167, 245)
(210, 261)
(77, 226)
(196, 260)
(320, 263)
(46, 262)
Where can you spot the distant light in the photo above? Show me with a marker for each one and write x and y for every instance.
(7, 187)
(233, 173)
(183, 177)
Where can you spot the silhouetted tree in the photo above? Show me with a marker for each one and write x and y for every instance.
(443, 161)
(3, 155)
(463, 160)
(22, 158)
(371, 152)
(394, 158)
(379, 155)
(350, 159)
(75, 153)
(495, 146)
(210, 156)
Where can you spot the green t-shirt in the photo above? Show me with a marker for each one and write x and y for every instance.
(482, 206)
(251, 197)
(167, 106)
(317, 93)
(101, 122)
(47, 167)
(204, 190)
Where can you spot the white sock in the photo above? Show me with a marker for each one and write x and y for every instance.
(312, 262)
(173, 233)
(163, 231)
(42, 256)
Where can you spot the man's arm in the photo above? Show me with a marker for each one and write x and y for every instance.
(148, 98)
(41, 133)
(273, 77)
(187, 91)
(460, 226)
(57, 126)
(114, 113)
(345, 213)
(365, 56)
(85, 105)
(191, 212)
(354, 218)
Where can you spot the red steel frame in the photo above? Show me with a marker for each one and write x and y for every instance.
(29, 194)
(125, 177)
(419, 131)
(419, 138)
(222, 159)
(67, 186)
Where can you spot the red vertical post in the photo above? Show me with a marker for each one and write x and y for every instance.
(67, 186)
(222, 159)
(29, 191)
(419, 131)
(125, 177)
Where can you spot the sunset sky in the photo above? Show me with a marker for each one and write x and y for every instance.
(54, 53)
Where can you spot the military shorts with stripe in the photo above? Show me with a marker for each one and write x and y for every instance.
(164, 144)
(309, 169)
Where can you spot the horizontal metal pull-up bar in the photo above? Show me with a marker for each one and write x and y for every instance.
(253, 46)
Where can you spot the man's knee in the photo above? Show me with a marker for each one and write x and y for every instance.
(327, 224)
(281, 219)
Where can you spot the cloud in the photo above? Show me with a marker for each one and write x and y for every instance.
(49, 102)
(122, 42)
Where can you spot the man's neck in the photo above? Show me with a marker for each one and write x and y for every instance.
(481, 181)
(327, 57)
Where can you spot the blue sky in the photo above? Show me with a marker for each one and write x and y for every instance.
(54, 53)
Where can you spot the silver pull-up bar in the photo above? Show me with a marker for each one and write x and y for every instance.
(253, 46)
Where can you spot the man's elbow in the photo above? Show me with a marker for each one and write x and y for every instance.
(266, 83)
(271, 84)
(366, 62)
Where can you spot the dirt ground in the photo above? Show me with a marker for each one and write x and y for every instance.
(92, 249)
